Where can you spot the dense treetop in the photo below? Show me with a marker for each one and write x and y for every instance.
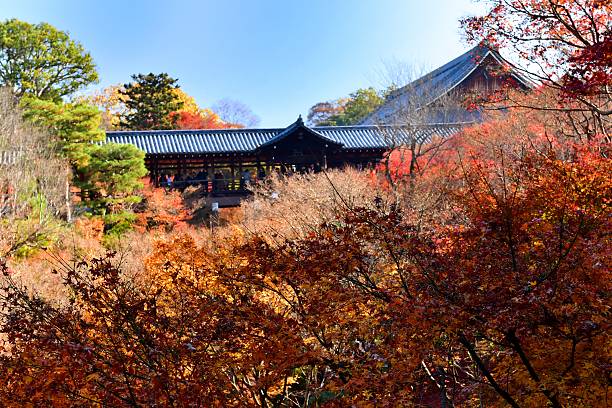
(562, 44)
(487, 284)
(42, 61)
(75, 125)
(149, 100)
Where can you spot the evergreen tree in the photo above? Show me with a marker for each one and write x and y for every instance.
(150, 99)
(74, 125)
(111, 176)
(107, 174)
(361, 103)
(41, 61)
(347, 111)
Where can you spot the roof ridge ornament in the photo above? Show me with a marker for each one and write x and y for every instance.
(299, 120)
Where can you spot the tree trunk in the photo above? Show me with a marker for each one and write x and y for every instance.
(68, 203)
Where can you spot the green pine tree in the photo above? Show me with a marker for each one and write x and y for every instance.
(150, 102)
(111, 176)
(74, 125)
(106, 174)
(360, 104)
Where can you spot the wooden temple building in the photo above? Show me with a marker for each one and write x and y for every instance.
(225, 161)
(439, 96)
(228, 159)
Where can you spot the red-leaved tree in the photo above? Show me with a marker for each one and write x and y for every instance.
(563, 44)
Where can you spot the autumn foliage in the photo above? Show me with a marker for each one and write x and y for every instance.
(160, 210)
(204, 119)
(497, 295)
(480, 279)
(563, 44)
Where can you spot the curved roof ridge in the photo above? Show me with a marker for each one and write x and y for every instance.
(291, 128)
(430, 124)
(250, 140)
(193, 131)
(481, 51)
(432, 86)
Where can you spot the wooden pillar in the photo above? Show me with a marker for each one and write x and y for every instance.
(153, 172)
(214, 183)
(241, 182)
(206, 182)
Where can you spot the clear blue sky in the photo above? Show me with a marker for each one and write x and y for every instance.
(278, 56)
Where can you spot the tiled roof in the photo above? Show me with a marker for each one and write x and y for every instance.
(248, 140)
(368, 135)
(292, 128)
(364, 137)
(194, 141)
(436, 84)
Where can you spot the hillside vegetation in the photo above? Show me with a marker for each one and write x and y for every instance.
(474, 274)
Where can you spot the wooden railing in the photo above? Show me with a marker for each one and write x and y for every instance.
(213, 187)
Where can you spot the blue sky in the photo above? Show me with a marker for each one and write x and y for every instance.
(278, 56)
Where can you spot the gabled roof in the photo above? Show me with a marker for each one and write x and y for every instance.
(221, 141)
(440, 82)
(297, 126)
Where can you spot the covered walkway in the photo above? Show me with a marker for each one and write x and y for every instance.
(226, 161)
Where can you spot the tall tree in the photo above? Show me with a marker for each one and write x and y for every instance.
(359, 105)
(74, 125)
(192, 116)
(188, 102)
(324, 113)
(39, 60)
(203, 119)
(110, 102)
(149, 100)
(33, 182)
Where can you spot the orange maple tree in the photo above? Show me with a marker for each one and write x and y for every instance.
(186, 340)
(499, 296)
(204, 119)
(160, 209)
